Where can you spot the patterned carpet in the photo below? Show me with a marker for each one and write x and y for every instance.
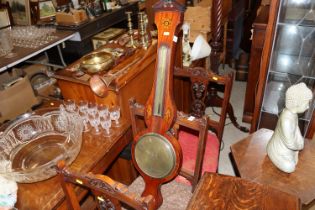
(175, 195)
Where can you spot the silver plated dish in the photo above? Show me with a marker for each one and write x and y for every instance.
(31, 145)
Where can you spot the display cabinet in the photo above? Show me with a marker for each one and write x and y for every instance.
(287, 59)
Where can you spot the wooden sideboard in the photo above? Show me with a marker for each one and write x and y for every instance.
(259, 29)
(136, 82)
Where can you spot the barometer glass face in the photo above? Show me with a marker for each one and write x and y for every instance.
(155, 155)
(163, 54)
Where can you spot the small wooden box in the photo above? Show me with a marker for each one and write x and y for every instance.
(104, 37)
(76, 17)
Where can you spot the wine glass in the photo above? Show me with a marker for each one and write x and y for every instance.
(92, 108)
(95, 122)
(70, 105)
(83, 112)
(106, 123)
(102, 110)
(114, 113)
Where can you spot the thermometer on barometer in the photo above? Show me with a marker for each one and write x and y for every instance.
(160, 82)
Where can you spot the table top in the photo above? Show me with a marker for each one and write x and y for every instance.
(216, 191)
(252, 162)
(24, 54)
(96, 154)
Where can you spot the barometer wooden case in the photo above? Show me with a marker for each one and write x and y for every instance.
(156, 153)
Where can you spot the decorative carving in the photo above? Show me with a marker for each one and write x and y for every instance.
(100, 184)
(216, 35)
(198, 108)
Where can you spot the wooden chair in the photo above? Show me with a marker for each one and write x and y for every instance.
(201, 79)
(199, 125)
(108, 193)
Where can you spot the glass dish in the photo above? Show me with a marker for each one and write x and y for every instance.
(31, 145)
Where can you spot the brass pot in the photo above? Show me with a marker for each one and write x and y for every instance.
(97, 62)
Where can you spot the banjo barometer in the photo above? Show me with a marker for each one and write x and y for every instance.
(155, 152)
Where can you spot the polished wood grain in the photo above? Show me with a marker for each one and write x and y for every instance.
(136, 82)
(259, 30)
(253, 164)
(96, 155)
(160, 110)
(270, 30)
(108, 193)
(221, 192)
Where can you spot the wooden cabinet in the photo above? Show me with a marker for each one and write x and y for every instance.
(259, 30)
(287, 59)
(136, 81)
(234, 30)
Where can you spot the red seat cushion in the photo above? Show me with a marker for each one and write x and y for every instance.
(189, 144)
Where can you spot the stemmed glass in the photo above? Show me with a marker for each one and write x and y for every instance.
(70, 105)
(92, 109)
(102, 110)
(95, 122)
(83, 112)
(114, 113)
(106, 123)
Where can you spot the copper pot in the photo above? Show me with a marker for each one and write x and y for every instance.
(97, 62)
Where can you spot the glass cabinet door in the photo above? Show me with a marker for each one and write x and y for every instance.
(292, 60)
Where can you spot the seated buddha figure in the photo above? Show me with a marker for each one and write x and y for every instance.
(286, 141)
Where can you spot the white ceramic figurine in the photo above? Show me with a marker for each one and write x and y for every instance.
(286, 141)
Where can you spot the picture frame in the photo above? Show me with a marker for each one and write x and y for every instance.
(4, 18)
(46, 10)
(20, 10)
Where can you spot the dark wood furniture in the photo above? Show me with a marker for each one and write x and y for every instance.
(96, 155)
(286, 59)
(252, 163)
(108, 194)
(216, 48)
(221, 192)
(135, 82)
(82, 43)
(234, 31)
(259, 30)
(200, 79)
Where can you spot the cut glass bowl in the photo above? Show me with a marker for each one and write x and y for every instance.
(31, 145)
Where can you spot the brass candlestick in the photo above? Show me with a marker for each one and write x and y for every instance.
(144, 41)
(132, 42)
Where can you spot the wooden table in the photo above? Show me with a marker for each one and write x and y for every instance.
(252, 163)
(96, 154)
(24, 54)
(222, 192)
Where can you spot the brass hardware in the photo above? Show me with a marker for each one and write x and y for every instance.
(97, 62)
(78, 181)
(132, 42)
